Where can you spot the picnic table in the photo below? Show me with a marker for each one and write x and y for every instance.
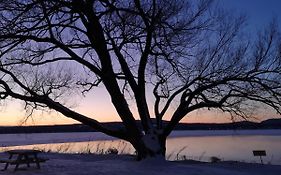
(23, 156)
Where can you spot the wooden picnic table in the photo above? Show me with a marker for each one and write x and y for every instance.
(23, 156)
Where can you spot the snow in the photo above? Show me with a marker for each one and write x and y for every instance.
(85, 164)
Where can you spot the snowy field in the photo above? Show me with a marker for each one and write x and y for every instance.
(73, 164)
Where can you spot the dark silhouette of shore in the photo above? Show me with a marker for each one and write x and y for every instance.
(266, 124)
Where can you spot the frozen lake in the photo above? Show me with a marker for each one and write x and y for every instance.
(198, 145)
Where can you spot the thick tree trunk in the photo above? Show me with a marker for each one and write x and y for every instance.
(150, 145)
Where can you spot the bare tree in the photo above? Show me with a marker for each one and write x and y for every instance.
(185, 54)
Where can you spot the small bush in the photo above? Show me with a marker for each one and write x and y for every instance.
(112, 151)
(215, 159)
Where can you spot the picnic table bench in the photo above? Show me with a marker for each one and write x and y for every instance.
(24, 156)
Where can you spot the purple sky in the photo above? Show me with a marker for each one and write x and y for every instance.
(260, 13)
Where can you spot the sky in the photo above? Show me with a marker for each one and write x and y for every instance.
(259, 12)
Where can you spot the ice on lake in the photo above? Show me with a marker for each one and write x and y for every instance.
(197, 145)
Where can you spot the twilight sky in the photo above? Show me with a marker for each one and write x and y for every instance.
(260, 13)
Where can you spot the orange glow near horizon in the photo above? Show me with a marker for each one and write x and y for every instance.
(102, 110)
(16, 118)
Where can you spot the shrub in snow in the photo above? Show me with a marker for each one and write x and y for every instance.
(112, 151)
(214, 159)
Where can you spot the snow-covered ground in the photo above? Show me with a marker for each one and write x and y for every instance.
(87, 164)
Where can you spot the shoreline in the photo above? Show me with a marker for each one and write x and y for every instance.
(50, 138)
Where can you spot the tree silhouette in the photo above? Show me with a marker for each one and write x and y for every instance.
(185, 55)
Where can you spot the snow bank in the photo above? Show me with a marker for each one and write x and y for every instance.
(66, 164)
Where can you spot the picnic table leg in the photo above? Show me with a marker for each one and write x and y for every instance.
(7, 164)
(37, 161)
(27, 160)
(18, 162)
(16, 167)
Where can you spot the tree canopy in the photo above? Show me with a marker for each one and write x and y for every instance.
(187, 55)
